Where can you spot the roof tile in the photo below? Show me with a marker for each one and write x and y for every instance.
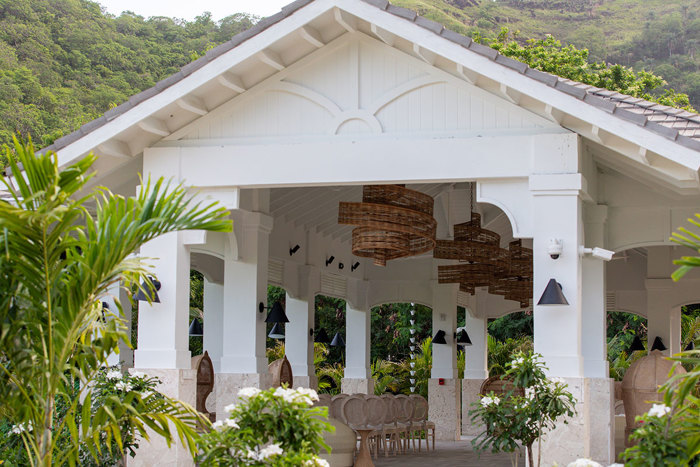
(663, 130)
(113, 113)
(381, 4)
(605, 104)
(510, 63)
(143, 95)
(633, 117)
(294, 6)
(457, 38)
(541, 76)
(484, 50)
(429, 25)
(402, 12)
(692, 143)
(571, 90)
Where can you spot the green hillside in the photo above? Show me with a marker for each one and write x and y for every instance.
(65, 62)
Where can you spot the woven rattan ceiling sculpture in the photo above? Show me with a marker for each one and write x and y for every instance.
(392, 222)
(485, 263)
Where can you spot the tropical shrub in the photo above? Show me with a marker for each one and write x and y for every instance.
(277, 427)
(513, 421)
(61, 250)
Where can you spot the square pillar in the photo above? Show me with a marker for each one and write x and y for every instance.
(358, 377)
(476, 364)
(444, 394)
(660, 313)
(243, 360)
(560, 330)
(163, 340)
(299, 342)
(125, 357)
(213, 322)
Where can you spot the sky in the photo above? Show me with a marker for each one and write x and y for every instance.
(189, 9)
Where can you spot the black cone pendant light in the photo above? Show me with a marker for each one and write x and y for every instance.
(338, 340)
(636, 345)
(277, 331)
(553, 294)
(277, 314)
(439, 337)
(658, 344)
(196, 328)
(463, 338)
(151, 285)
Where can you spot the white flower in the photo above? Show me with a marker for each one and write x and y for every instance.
(248, 393)
(138, 374)
(488, 400)
(517, 362)
(529, 393)
(658, 410)
(307, 393)
(556, 380)
(230, 407)
(218, 424)
(21, 428)
(271, 450)
(230, 423)
(114, 374)
(123, 386)
(316, 462)
(584, 463)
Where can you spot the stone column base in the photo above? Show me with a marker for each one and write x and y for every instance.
(357, 386)
(306, 382)
(589, 433)
(470, 395)
(444, 408)
(227, 386)
(176, 384)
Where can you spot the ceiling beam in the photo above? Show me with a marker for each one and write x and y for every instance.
(115, 148)
(192, 104)
(232, 82)
(311, 36)
(348, 22)
(383, 35)
(424, 54)
(271, 58)
(470, 76)
(509, 94)
(154, 126)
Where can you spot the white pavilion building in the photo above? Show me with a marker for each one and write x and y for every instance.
(293, 116)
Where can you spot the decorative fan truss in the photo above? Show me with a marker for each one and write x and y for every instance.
(485, 263)
(393, 222)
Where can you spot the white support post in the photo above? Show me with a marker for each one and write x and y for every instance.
(243, 362)
(213, 322)
(357, 378)
(163, 340)
(476, 361)
(443, 387)
(559, 329)
(660, 313)
(163, 327)
(299, 342)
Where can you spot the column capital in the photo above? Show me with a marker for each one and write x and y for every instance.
(253, 220)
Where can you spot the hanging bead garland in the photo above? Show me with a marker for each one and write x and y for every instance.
(413, 348)
(393, 222)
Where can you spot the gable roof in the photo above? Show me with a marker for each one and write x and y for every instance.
(674, 125)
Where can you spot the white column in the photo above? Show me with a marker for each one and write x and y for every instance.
(674, 343)
(213, 321)
(660, 313)
(163, 327)
(444, 387)
(243, 362)
(357, 378)
(559, 329)
(299, 342)
(476, 361)
(594, 324)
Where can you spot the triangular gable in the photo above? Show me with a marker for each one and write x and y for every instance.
(301, 28)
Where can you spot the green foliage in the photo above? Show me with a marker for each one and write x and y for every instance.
(669, 434)
(513, 325)
(570, 62)
(277, 427)
(514, 420)
(57, 259)
(65, 63)
(691, 240)
(500, 354)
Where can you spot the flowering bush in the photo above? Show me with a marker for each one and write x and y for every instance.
(278, 427)
(669, 434)
(514, 420)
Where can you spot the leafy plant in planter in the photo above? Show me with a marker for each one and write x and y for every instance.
(277, 427)
(513, 420)
(62, 247)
